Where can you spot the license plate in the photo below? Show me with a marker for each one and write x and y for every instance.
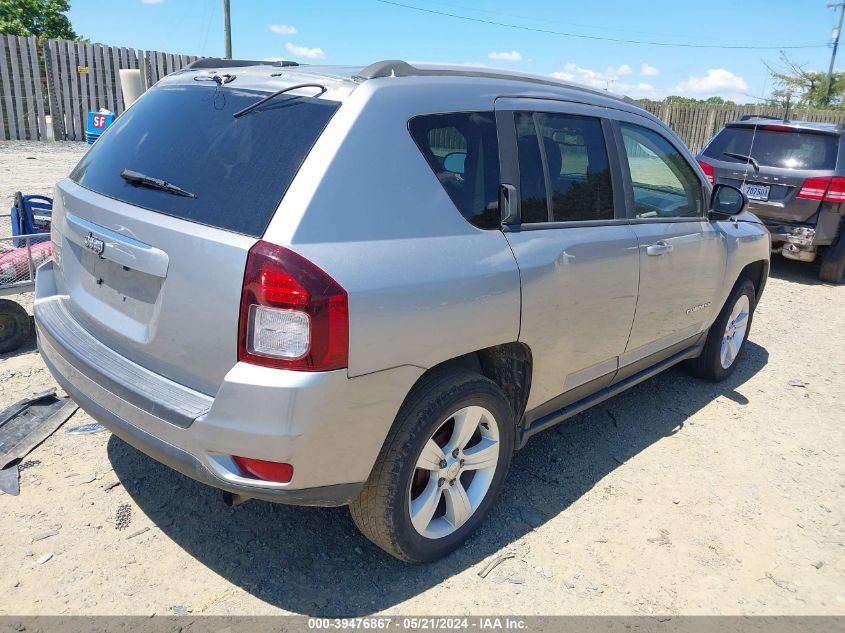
(756, 192)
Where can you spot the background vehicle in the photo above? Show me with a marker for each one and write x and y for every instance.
(369, 286)
(793, 173)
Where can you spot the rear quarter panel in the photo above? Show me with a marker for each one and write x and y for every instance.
(424, 285)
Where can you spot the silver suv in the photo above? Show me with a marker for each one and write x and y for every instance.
(369, 286)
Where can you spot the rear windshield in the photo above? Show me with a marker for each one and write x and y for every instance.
(238, 169)
(791, 150)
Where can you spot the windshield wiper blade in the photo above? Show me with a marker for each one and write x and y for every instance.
(273, 95)
(137, 178)
(745, 157)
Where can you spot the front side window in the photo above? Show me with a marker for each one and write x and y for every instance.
(462, 150)
(665, 186)
(571, 165)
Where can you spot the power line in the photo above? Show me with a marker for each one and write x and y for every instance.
(592, 37)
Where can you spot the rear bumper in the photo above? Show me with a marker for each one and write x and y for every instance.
(329, 427)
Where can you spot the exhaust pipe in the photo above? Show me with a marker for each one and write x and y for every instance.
(233, 500)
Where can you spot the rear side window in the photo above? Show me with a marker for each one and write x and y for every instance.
(462, 151)
(239, 169)
(572, 161)
(771, 148)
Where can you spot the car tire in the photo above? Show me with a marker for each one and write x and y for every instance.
(832, 269)
(726, 339)
(15, 326)
(440, 408)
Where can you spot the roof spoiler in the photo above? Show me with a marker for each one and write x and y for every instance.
(217, 62)
(748, 117)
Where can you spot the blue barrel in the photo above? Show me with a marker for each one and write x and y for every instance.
(97, 124)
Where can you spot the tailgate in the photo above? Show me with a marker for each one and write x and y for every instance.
(160, 291)
(155, 223)
(772, 194)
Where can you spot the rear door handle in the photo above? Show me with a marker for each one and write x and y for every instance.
(659, 248)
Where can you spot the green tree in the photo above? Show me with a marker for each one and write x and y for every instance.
(41, 18)
(805, 88)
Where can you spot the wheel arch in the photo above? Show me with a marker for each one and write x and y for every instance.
(509, 365)
(757, 272)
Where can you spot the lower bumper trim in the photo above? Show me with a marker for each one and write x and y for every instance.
(184, 462)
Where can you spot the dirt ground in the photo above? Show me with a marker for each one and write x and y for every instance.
(677, 497)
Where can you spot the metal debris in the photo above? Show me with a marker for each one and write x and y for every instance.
(86, 429)
(123, 516)
(495, 563)
(138, 533)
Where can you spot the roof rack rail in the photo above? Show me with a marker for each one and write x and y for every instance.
(748, 117)
(399, 68)
(217, 62)
(391, 68)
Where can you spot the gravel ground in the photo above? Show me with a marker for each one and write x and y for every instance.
(677, 497)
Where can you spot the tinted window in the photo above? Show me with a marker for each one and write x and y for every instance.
(665, 186)
(239, 169)
(792, 150)
(533, 200)
(577, 167)
(462, 150)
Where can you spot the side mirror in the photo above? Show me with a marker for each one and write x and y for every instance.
(454, 162)
(725, 202)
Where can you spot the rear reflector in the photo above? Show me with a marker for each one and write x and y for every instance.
(707, 168)
(826, 189)
(262, 469)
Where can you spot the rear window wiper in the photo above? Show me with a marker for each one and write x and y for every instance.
(273, 95)
(745, 157)
(142, 180)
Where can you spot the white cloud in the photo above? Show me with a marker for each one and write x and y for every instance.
(716, 81)
(419, 62)
(506, 56)
(647, 70)
(152, 1)
(304, 51)
(593, 78)
(608, 79)
(282, 29)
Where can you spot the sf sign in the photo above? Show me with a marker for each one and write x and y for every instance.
(98, 121)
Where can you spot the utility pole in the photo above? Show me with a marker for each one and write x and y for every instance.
(836, 32)
(227, 27)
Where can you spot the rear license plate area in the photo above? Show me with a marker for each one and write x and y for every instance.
(756, 192)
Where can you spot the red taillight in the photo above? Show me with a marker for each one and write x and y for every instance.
(293, 315)
(773, 127)
(261, 469)
(826, 189)
(707, 168)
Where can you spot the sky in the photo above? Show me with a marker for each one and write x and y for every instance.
(572, 40)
